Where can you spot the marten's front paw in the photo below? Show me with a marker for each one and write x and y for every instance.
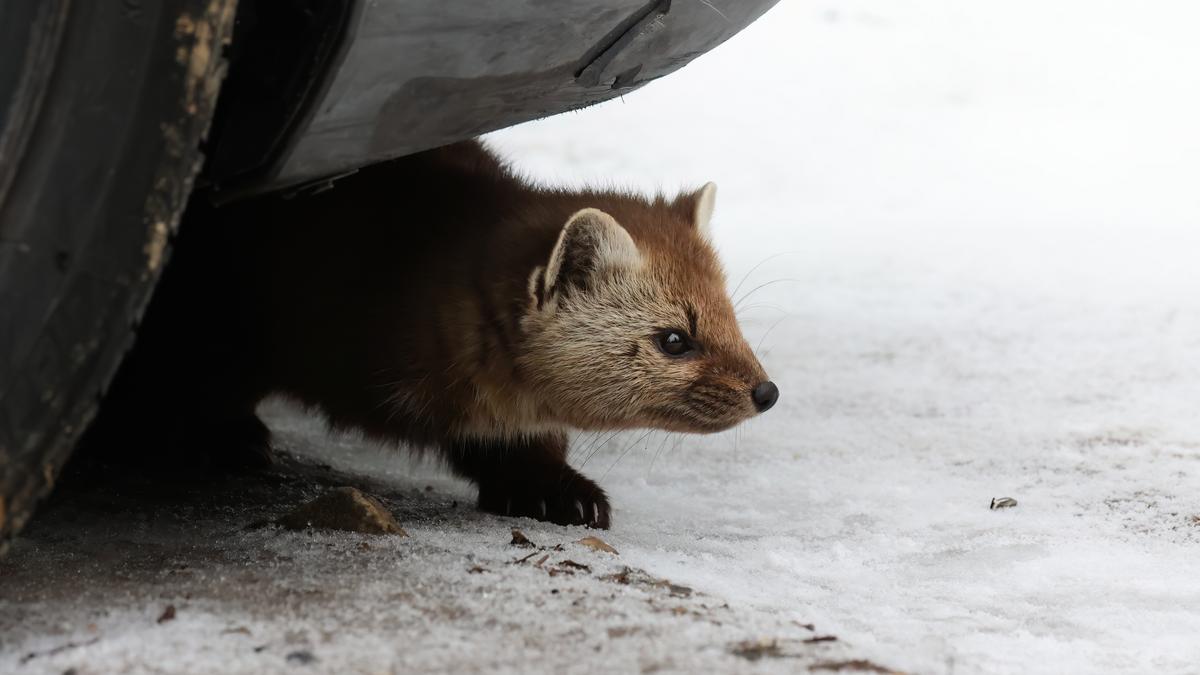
(558, 494)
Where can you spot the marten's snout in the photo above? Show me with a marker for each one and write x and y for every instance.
(765, 395)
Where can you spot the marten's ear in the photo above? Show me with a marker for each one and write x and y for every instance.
(590, 244)
(703, 202)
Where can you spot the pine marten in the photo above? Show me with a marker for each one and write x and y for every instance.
(442, 302)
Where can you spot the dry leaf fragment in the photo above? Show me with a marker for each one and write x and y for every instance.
(630, 576)
(519, 539)
(168, 614)
(597, 544)
(855, 666)
(753, 650)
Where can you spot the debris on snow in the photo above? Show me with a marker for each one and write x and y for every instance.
(518, 561)
(519, 539)
(1002, 503)
(597, 544)
(58, 650)
(343, 508)
(854, 666)
(168, 614)
(301, 657)
(753, 650)
(776, 648)
(629, 576)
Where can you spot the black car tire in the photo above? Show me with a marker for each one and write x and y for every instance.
(103, 107)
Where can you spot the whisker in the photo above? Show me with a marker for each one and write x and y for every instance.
(625, 452)
(758, 288)
(678, 442)
(764, 337)
(582, 440)
(598, 437)
(599, 447)
(661, 444)
(709, 5)
(760, 264)
(764, 305)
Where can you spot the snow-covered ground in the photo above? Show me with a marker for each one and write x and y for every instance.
(969, 240)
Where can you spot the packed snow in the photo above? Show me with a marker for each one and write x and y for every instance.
(964, 239)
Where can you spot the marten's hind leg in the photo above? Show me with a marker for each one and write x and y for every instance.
(530, 478)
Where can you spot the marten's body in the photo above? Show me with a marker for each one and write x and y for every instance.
(440, 302)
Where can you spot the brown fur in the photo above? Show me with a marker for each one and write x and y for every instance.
(439, 301)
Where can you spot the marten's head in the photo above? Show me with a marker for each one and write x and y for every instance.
(629, 323)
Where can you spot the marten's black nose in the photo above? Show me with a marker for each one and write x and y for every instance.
(765, 395)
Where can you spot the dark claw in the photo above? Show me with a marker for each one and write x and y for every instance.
(556, 494)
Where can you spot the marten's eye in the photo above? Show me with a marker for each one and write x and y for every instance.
(673, 342)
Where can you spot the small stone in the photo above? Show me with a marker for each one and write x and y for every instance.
(346, 509)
